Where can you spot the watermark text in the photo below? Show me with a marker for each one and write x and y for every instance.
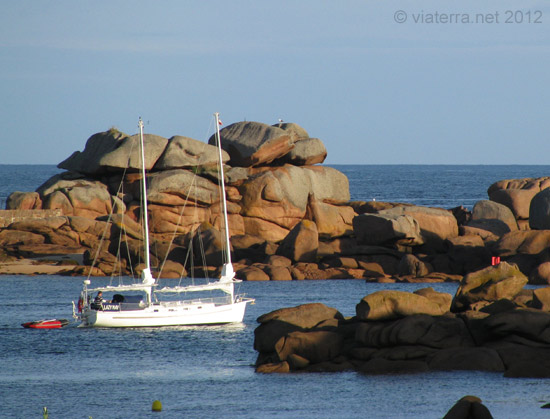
(492, 18)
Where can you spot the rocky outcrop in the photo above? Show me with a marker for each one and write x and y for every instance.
(386, 229)
(523, 242)
(332, 220)
(410, 265)
(280, 196)
(274, 191)
(436, 225)
(306, 151)
(301, 244)
(493, 283)
(489, 210)
(8, 217)
(541, 274)
(517, 200)
(273, 187)
(387, 305)
(539, 211)
(184, 152)
(517, 195)
(254, 144)
(114, 151)
(22, 201)
(492, 325)
(257, 144)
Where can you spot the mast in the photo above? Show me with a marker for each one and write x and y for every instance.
(227, 270)
(146, 274)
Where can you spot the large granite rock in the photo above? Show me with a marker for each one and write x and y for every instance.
(489, 229)
(266, 202)
(54, 235)
(530, 327)
(66, 181)
(295, 131)
(523, 361)
(254, 143)
(40, 225)
(252, 273)
(523, 242)
(386, 229)
(389, 304)
(184, 152)
(436, 225)
(503, 281)
(442, 299)
(114, 151)
(87, 161)
(301, 244)
(332, 220)
(410, 265)
(540, 275)
(518, 200)
(80, 197)
(484, 210)
(127, 155)
(280, 195)
(279, 323)
(265, 229)
(500, 338)
(419, 329)
(305, 316)
(23, 201)
(9, 238)
(306, 152)
(178, 187)
(208, 243)
(537, 184)
(312, 346)
(517, 195)
(181, 219)
(468, 252)
(539, 211)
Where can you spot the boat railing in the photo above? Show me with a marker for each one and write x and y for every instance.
(196, 301)
(243, 297)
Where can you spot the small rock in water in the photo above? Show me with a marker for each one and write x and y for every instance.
(468, 407)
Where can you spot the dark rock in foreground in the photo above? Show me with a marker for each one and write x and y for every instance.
(468, 407)
(492, 325)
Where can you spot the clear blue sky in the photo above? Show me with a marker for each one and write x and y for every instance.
(374, 90)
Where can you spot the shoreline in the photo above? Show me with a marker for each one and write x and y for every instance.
(31, 267)
(62, 264)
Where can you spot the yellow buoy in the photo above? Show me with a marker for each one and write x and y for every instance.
(157, 406)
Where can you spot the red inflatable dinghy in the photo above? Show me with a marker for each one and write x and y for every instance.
(46, 324)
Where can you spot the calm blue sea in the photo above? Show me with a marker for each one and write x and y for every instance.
(207, 372)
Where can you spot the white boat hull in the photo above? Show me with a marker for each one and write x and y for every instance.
(167, 314)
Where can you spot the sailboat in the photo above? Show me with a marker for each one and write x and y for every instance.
(141, 304)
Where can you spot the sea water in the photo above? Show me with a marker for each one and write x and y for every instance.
(444, 186)
(207, 372)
